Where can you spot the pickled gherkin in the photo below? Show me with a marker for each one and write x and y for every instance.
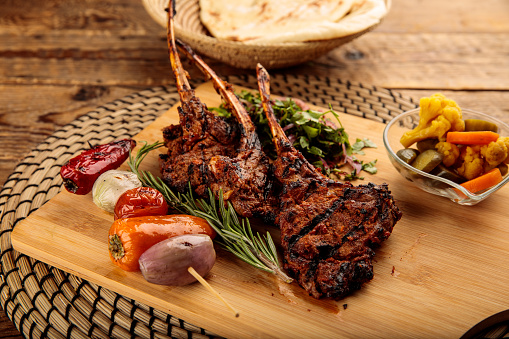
(426, 144)
(443, 172)
(427, 160)
(480, 125)
(407, 154)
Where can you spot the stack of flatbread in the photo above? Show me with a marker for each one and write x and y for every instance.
(276, 21)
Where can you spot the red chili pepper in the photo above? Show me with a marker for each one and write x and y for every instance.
(80, 172)
(140, 201)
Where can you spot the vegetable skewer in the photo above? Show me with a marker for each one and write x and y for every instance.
(211, 290)
(180, 261)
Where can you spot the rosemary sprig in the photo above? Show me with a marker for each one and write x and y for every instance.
(235, 235)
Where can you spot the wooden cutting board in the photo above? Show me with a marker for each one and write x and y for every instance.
(444, 268)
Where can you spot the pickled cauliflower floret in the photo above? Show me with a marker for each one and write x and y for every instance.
(505, 140)
(437, 116)
(472, 163)
(495, 152)
(451, 152)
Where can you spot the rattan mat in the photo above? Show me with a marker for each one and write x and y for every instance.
(46, 302)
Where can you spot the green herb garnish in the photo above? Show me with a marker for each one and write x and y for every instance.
(359, 145)
(317, 137)
(235, 234)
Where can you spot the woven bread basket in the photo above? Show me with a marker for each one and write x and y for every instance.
(189, 28)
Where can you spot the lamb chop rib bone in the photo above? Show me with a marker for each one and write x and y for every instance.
(183, 87)
(328, 228)
(249, 137)
(238, 168)
(245, 179)
(199, 135)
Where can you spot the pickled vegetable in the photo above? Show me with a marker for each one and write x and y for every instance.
(472, 138)
(451, 152)
(503, 168)
(426, 144)
(459, 150)
(407, 154)
(480, 125)
(437, 116)
(496, 152)
(427, 160)
(167, 262)
(485, 181)
(444, 172)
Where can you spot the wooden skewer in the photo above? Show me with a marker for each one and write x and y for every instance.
(207, 286)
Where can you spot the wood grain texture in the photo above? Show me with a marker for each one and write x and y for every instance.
(433, 265)
(7, 329)
(60, 59)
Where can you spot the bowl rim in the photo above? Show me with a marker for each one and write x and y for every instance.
(467, 194)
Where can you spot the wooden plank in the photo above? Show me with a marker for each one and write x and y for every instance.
(434, 61)
(7, 329)
(122, 17)
(436, 276)
(461, 53)
(489, 16)
(116, 17)
(427, 60)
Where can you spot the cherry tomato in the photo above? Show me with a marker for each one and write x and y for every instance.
(140, 201)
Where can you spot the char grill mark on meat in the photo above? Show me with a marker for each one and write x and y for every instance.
(328, 228)
(198, 137)
(245, 179)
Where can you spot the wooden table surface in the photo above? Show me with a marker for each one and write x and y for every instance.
(61, 59)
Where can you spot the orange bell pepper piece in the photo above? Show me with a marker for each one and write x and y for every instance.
(129, 237)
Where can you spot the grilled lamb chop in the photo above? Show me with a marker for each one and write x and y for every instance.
(328, 228)
(207, 156)
(246, 180)
(200, 135)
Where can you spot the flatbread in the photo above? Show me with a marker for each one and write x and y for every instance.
(276, 21)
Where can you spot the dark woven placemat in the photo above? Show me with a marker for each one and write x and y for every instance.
(46, 302)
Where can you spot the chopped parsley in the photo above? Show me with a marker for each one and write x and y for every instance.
(318, 138)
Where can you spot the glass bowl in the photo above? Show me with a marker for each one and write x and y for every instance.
(428, 182)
